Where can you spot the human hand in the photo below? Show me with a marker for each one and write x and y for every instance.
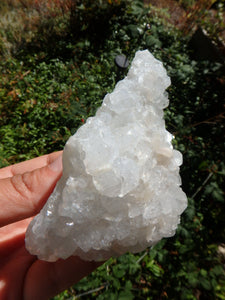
(24, 189)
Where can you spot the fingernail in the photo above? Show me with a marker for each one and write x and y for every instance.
(56, 165)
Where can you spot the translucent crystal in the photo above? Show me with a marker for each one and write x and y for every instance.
(120, 190)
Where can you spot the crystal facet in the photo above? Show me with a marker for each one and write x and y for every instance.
(120, 190)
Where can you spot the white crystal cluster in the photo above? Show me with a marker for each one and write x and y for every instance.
(120, 190)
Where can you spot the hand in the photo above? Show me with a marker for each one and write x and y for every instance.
(24, 189)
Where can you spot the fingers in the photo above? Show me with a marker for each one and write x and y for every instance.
(29, 165)
(11, 235)
(12, 272)
(24, 194)
(58, 276)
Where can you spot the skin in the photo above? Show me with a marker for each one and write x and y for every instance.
(24, 189)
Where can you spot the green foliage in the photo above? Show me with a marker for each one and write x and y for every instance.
(54, 83)
(42, 105)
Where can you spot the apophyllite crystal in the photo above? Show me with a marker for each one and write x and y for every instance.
(120, 190)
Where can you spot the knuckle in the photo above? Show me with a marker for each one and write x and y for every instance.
(22, 186)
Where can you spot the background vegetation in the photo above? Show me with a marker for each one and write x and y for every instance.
(56, 65)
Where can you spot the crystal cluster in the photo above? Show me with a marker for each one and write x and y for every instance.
(120, 190)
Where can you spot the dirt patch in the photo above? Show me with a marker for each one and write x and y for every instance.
(176, 12)
(187, 20)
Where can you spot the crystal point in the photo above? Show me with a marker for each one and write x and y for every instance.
(120, 189)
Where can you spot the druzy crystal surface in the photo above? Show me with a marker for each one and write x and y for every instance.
(120, 190)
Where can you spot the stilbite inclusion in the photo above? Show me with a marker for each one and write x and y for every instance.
(120, 190)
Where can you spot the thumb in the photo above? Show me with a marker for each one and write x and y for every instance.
(23, 195)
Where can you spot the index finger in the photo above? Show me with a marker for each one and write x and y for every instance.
(29, 165)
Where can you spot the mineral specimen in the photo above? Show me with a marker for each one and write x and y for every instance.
(120, 190)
